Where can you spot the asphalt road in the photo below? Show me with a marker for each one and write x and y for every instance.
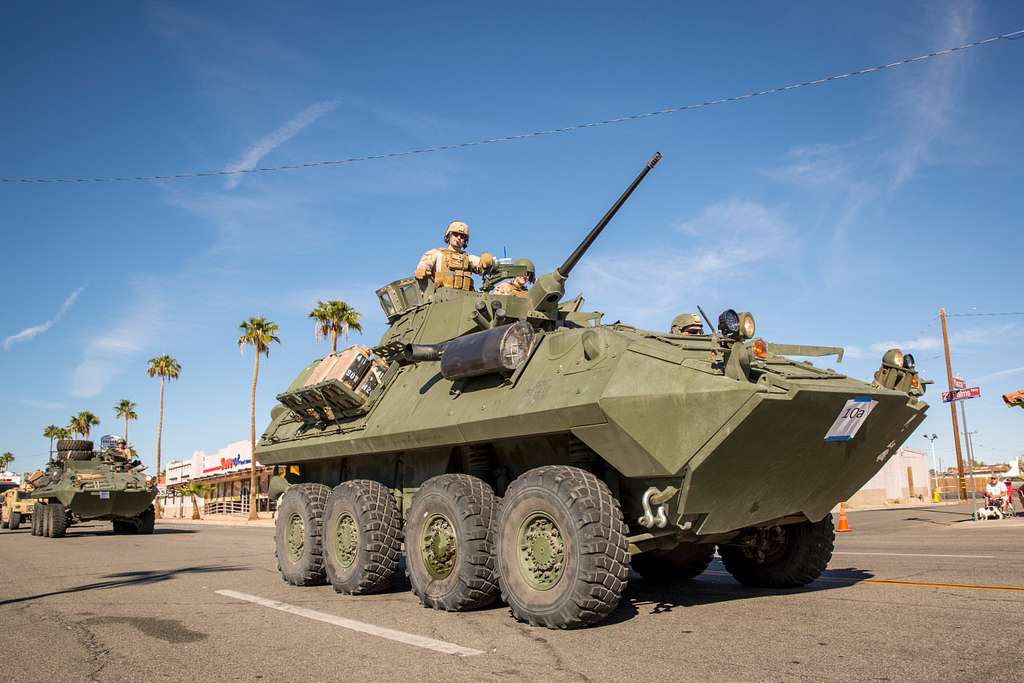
(911, 594)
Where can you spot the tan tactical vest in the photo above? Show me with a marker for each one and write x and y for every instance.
(455, 271)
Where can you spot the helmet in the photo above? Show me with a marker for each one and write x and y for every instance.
(530, 271)
(684, 320)
(459, 228)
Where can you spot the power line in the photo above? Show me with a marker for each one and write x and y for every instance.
(1014, 35)
(982, 315)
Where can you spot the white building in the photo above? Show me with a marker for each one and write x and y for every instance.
(227, 473)
(902, 479)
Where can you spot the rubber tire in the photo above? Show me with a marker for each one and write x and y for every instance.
(73, 445)
(122, 526)
(808, 551)
(58, 520)
(15, 521)
(146, 521)
(3, 522)
(75, 455)
(307, 500)
(596, 570)
(380, 537)
(37, 520)
(674, 565)
(471, 506)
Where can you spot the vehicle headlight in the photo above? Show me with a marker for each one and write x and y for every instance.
(747, 325)
(729, 323)
(908, 361)
(893, 358)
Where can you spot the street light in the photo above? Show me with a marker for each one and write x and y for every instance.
(935, 463)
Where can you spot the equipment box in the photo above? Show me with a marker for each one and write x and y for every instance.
(348, 367)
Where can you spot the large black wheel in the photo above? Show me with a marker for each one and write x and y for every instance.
(563, 559)
(3, 521)
(44, 528)
(76, 455)
(675, 565)
(449, 543)
(73, 445)
(58, 520)
(15, 521)
(297, 535)
(791, 556)
(146, 521)
(37, 520)
(124, 526)
(362, 537)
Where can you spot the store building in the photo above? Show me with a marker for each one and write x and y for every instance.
(227, 473)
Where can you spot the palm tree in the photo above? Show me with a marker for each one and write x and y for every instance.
(333, 318)
(53, 432)
(5, 460)
(193, 489)
(258, 333)
(166, 368)
(125, 409)
(83, 423)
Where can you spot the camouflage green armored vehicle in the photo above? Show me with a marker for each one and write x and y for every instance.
(522, 449)
(85, 485)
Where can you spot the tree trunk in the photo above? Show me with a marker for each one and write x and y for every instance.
(334, 342)
(253, 514)
(126, 430)
(195, 508)
(159, 433)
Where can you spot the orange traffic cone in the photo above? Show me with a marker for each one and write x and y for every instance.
(843, 524)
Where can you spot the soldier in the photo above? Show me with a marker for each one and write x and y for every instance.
(687, 324)
(451, 266)
(517, 285)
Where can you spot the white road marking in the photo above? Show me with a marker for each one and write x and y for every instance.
(970, 557)
(353, 625)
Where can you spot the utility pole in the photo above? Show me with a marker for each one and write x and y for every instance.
(935, 463)
(952, 408)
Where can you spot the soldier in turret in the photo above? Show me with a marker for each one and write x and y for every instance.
(687, 324)
(451, 266)
(517, 285)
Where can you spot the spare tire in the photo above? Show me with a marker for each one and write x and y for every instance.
(76, 455)
(73, 445)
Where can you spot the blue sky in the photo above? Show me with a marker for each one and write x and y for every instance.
(844, 214)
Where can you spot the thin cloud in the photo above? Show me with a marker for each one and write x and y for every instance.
(36, 330)
(647, 284)
(269, 143)
(1009, 372)
(108, 354)
(40, 405)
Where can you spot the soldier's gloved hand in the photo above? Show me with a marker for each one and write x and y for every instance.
(486, 261)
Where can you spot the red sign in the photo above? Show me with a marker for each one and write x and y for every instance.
(959, 382)
(960, 395)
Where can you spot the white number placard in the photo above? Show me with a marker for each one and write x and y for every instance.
(851, 417)
(104, 495)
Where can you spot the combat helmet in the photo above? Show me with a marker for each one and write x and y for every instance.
(684, 320)
(531, 272)
(459, 228)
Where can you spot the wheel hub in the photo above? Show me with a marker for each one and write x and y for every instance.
(295, 537)
(439, 546)
(541, 551)
(346, 540)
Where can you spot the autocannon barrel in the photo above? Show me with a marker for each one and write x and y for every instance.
(577, 254)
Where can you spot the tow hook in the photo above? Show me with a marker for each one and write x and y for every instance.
(656, 497)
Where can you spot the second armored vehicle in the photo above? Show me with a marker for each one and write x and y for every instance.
(85, 485)
(609, 446)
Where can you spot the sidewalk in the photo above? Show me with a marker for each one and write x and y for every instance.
(265, 520)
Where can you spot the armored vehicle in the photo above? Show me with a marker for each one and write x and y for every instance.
(523, 449)
(84, 485)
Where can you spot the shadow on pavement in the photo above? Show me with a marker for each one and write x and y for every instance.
(136, 578)
(159, 531)
(713, 586)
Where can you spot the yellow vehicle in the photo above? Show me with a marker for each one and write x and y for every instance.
(17, 506)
